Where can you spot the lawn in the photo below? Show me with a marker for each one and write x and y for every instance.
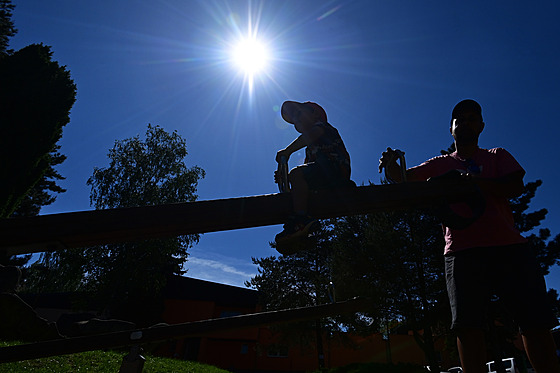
(102, 361)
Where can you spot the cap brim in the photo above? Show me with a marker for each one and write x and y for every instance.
(288, 110)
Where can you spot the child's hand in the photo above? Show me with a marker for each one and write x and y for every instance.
(282, 153)
(387, 157)
(277, 177)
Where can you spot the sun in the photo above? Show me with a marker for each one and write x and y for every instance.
(250, 55)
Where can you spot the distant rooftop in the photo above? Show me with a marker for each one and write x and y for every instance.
(179, 287)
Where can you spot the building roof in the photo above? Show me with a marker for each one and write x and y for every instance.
(178, 287)
(188, 288)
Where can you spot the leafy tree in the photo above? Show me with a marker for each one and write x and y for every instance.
(395, 258)
(55, 272)
(128, 277)
(299, 280)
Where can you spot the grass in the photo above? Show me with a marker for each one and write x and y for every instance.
(102, 361)
(110, 362)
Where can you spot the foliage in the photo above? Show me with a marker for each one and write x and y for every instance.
(293, 281)
(128, 277)
(41, 193)
(149, 172)
(7, 28)
(102, 361)
(394, 258)
(36, 95)
(527, 221)
(298, 280)
(55, 272)
(547, 249)
(27, 82)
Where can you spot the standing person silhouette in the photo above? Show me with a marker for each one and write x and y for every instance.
(490, 256)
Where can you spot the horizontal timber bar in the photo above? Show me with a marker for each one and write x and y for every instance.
(89, 228)
(169, 332)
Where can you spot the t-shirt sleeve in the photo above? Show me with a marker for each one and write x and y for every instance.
(430, 168)
(507, 163)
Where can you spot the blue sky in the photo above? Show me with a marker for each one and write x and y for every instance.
(388, 73)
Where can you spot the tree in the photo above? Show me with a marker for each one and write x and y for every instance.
(128, 278)
(51, 79)
(299, 280)
(7, 28)
(547, 249)
(36, 95)
(42, 192)
(395, 258)
(38, 194)
(502, 329)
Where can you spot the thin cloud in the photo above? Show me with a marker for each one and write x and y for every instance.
(224, 270)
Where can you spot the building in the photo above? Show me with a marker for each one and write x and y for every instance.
(254, 349)
(261, 349)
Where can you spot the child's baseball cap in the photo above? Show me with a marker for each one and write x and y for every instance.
(289, 108)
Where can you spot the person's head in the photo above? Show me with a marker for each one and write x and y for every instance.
(303, 113)
(466, 122)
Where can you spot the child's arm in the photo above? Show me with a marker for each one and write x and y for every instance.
(302, 141)
(296, 145)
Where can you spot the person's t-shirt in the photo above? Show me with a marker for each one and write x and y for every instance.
(496, 226)
(330, 147)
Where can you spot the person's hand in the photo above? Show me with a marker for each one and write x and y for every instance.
(277, 177)
(282, 153)
(388, 158)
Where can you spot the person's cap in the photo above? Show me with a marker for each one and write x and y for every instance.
(466, 105)
(289, 108)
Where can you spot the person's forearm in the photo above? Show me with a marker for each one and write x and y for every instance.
(509, 186)
(393, 171)
(296, 145)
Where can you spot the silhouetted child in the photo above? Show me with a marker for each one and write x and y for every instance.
(327, 163)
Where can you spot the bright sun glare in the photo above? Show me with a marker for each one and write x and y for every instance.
(250, 55)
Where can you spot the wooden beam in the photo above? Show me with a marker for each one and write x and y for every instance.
(177, 331)
(97, 227)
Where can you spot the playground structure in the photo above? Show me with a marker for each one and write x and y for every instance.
(98, 227)
(166, 332)
(88, 228)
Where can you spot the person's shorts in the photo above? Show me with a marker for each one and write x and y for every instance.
(509, 272)
(324, 175)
